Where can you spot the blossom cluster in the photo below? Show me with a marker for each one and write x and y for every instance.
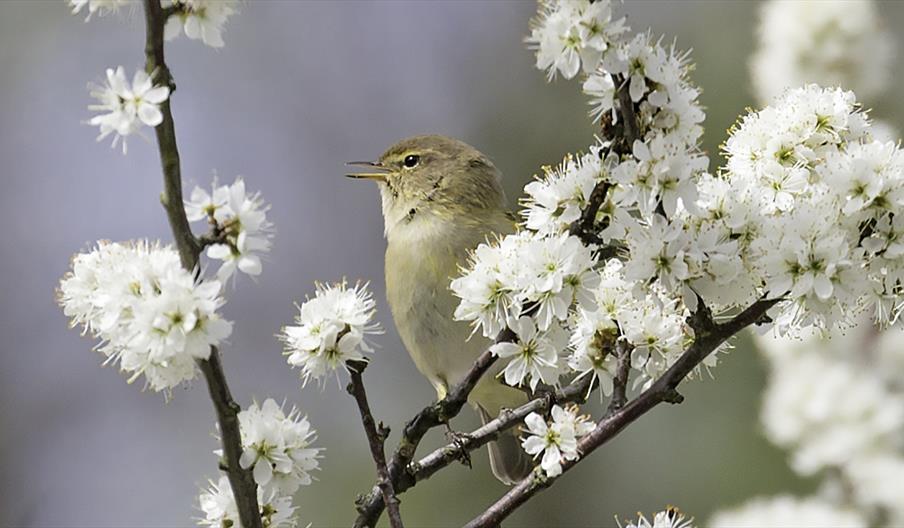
(277, 447)
(578, 304)
(127, 107)
(650, 323)
(816, 204)
(239, 224)
(573, 34)
(527, 282)
(830, 42)
(152, 316)
(330, 330)
(555, 441)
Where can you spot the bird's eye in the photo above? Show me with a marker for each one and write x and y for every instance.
(411, 160)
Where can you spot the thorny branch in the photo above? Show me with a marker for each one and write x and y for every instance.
(376, 436)
(241, 480)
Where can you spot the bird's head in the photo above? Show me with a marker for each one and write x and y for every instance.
(427, 178)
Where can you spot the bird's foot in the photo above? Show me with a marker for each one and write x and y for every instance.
(458, 440)
(548, 393)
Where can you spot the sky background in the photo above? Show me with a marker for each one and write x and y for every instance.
(300, 88)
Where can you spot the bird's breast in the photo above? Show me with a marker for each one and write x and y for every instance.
(419, 267)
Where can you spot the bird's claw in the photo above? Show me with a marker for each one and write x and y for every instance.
(458, 439)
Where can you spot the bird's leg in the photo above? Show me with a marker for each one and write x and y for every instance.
(458, 440)
(547, 392)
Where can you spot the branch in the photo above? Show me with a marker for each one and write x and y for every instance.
(241, 480)
(620, 383)
(370, 506)
(577, 391)
(376, 436)
(663, 390)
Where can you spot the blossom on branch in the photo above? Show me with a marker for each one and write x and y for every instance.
(240, 227)
(556, 441)
(151, 315)
(201, 20)
(220, 511)
(278, 447)
(330, 330)
(533, 356)
(556, 200)
(521, 270)
(127, 107)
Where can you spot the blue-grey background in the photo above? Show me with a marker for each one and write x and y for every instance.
(299, 88)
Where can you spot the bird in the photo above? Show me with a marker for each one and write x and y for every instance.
(441, 198)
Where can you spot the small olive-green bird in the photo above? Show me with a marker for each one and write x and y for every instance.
(441, 198)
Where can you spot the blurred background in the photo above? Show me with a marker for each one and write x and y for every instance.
(300, 88)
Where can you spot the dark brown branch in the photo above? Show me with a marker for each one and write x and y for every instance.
(631, 130)
(241, 480)
(663, 390)
(620, 383)
(376, 436)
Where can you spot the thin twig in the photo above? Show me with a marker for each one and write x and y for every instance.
(376, 436)
(663, 390)
(242, 481)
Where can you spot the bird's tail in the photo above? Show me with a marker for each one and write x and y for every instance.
(509, 462)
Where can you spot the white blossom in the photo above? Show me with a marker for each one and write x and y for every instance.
(330, 330)
(127, 107)
(571, 34)
(534, 355)
(150, 314)
(101, 7)
(549, 273)
(830, 42)
(784, 511)
(556, 200)
(804, 241)
(220, 510)
(668, 518)
(241, 220)
(556, 441)
(200, 19)
(277, 446)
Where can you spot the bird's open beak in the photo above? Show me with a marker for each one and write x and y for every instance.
(379, 174)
